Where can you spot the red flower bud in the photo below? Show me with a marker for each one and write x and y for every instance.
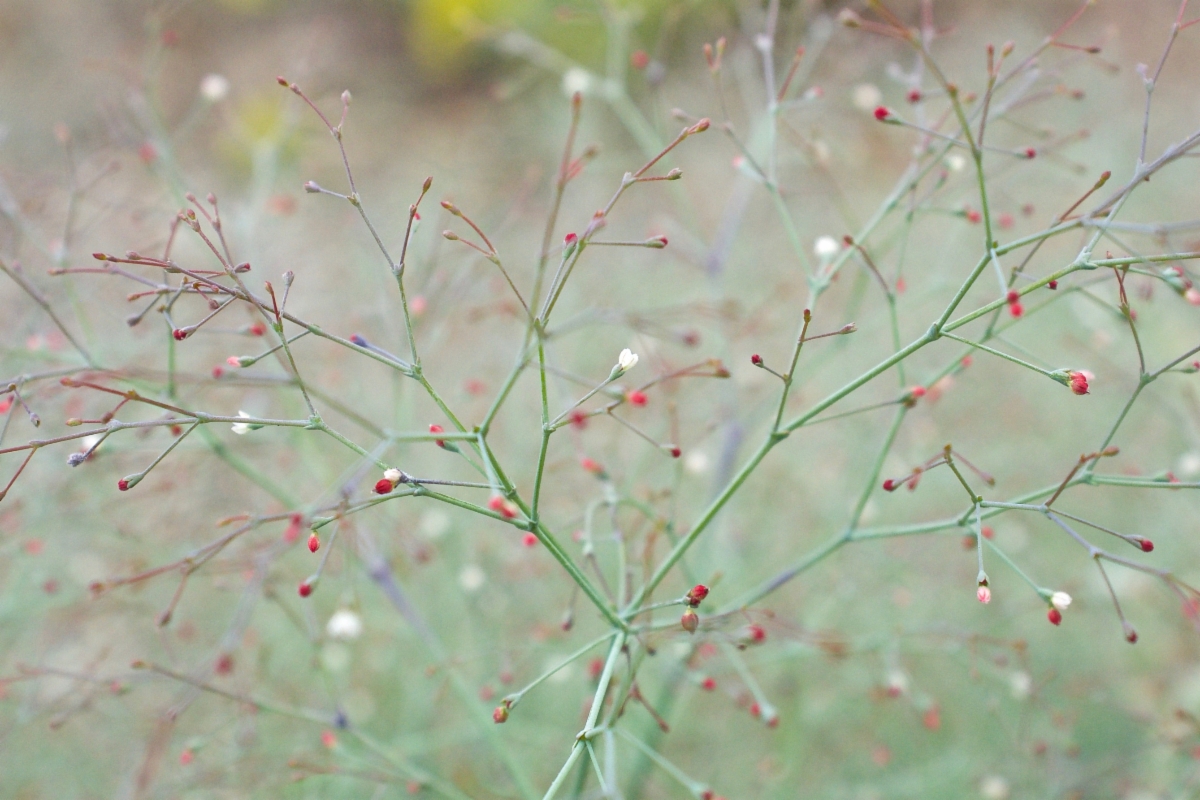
(1078, 382)
(314, 543)
(708, 684)
(500, 715)
(1146, 545)
(690, 621)
(305, 589)
(1016, 309)
(1052, 285)
(697, 594)
(383, 486)
(890, 485)
(756, 360)
(636, 398)
(1030, 152)
(123, 485)
(675, 451)
(258, 329)
(180, 334)
(882, 113)
(1055, 616)
(435, 428)
(529, 540)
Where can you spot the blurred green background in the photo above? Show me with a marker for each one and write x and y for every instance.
(890, 679)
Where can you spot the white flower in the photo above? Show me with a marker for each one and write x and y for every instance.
(242, 428)
(471, 579)
(826, 247)
(866, 96)
(344, 624)
(392, 475)
(994, 787)
(955, 162)
(214, 87)
(1061, 601)
(627, 360)
(576, 79)
(1021, 684)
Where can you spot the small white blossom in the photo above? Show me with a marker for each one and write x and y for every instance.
(1061, 601)
(826, 247)
(344, 624)
(994, 787)
(392, 475)
(866, 96)
(627, 360)
(576, 79)
(955, 162)
(242, 428)
(471, 578)
(214, 87)
(1021, 684)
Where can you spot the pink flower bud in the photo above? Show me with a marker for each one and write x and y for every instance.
(690, 621)
(314, 543)
(636, 398)
(500, 715)
(883, 113)
(1078, 382)
(984, 594)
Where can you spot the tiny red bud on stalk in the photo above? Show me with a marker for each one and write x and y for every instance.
(570, 239)
(690, 621)
(756, 360)
(314, 543)
(1146, 545)
(1078, 382)
(258, 329)
(1052, 285)
(1030, 152)
(529, 540)
(883, 113)
(123, 485)
(383, 486)
(890, 485)
(697, 594)
(1055, 616)
(1013, 296)
(708, 684)
(1016, 309)
(675, 451)
(500, 715)
(305, 589)
(435, 428)
(180, 334)
(636, 398)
